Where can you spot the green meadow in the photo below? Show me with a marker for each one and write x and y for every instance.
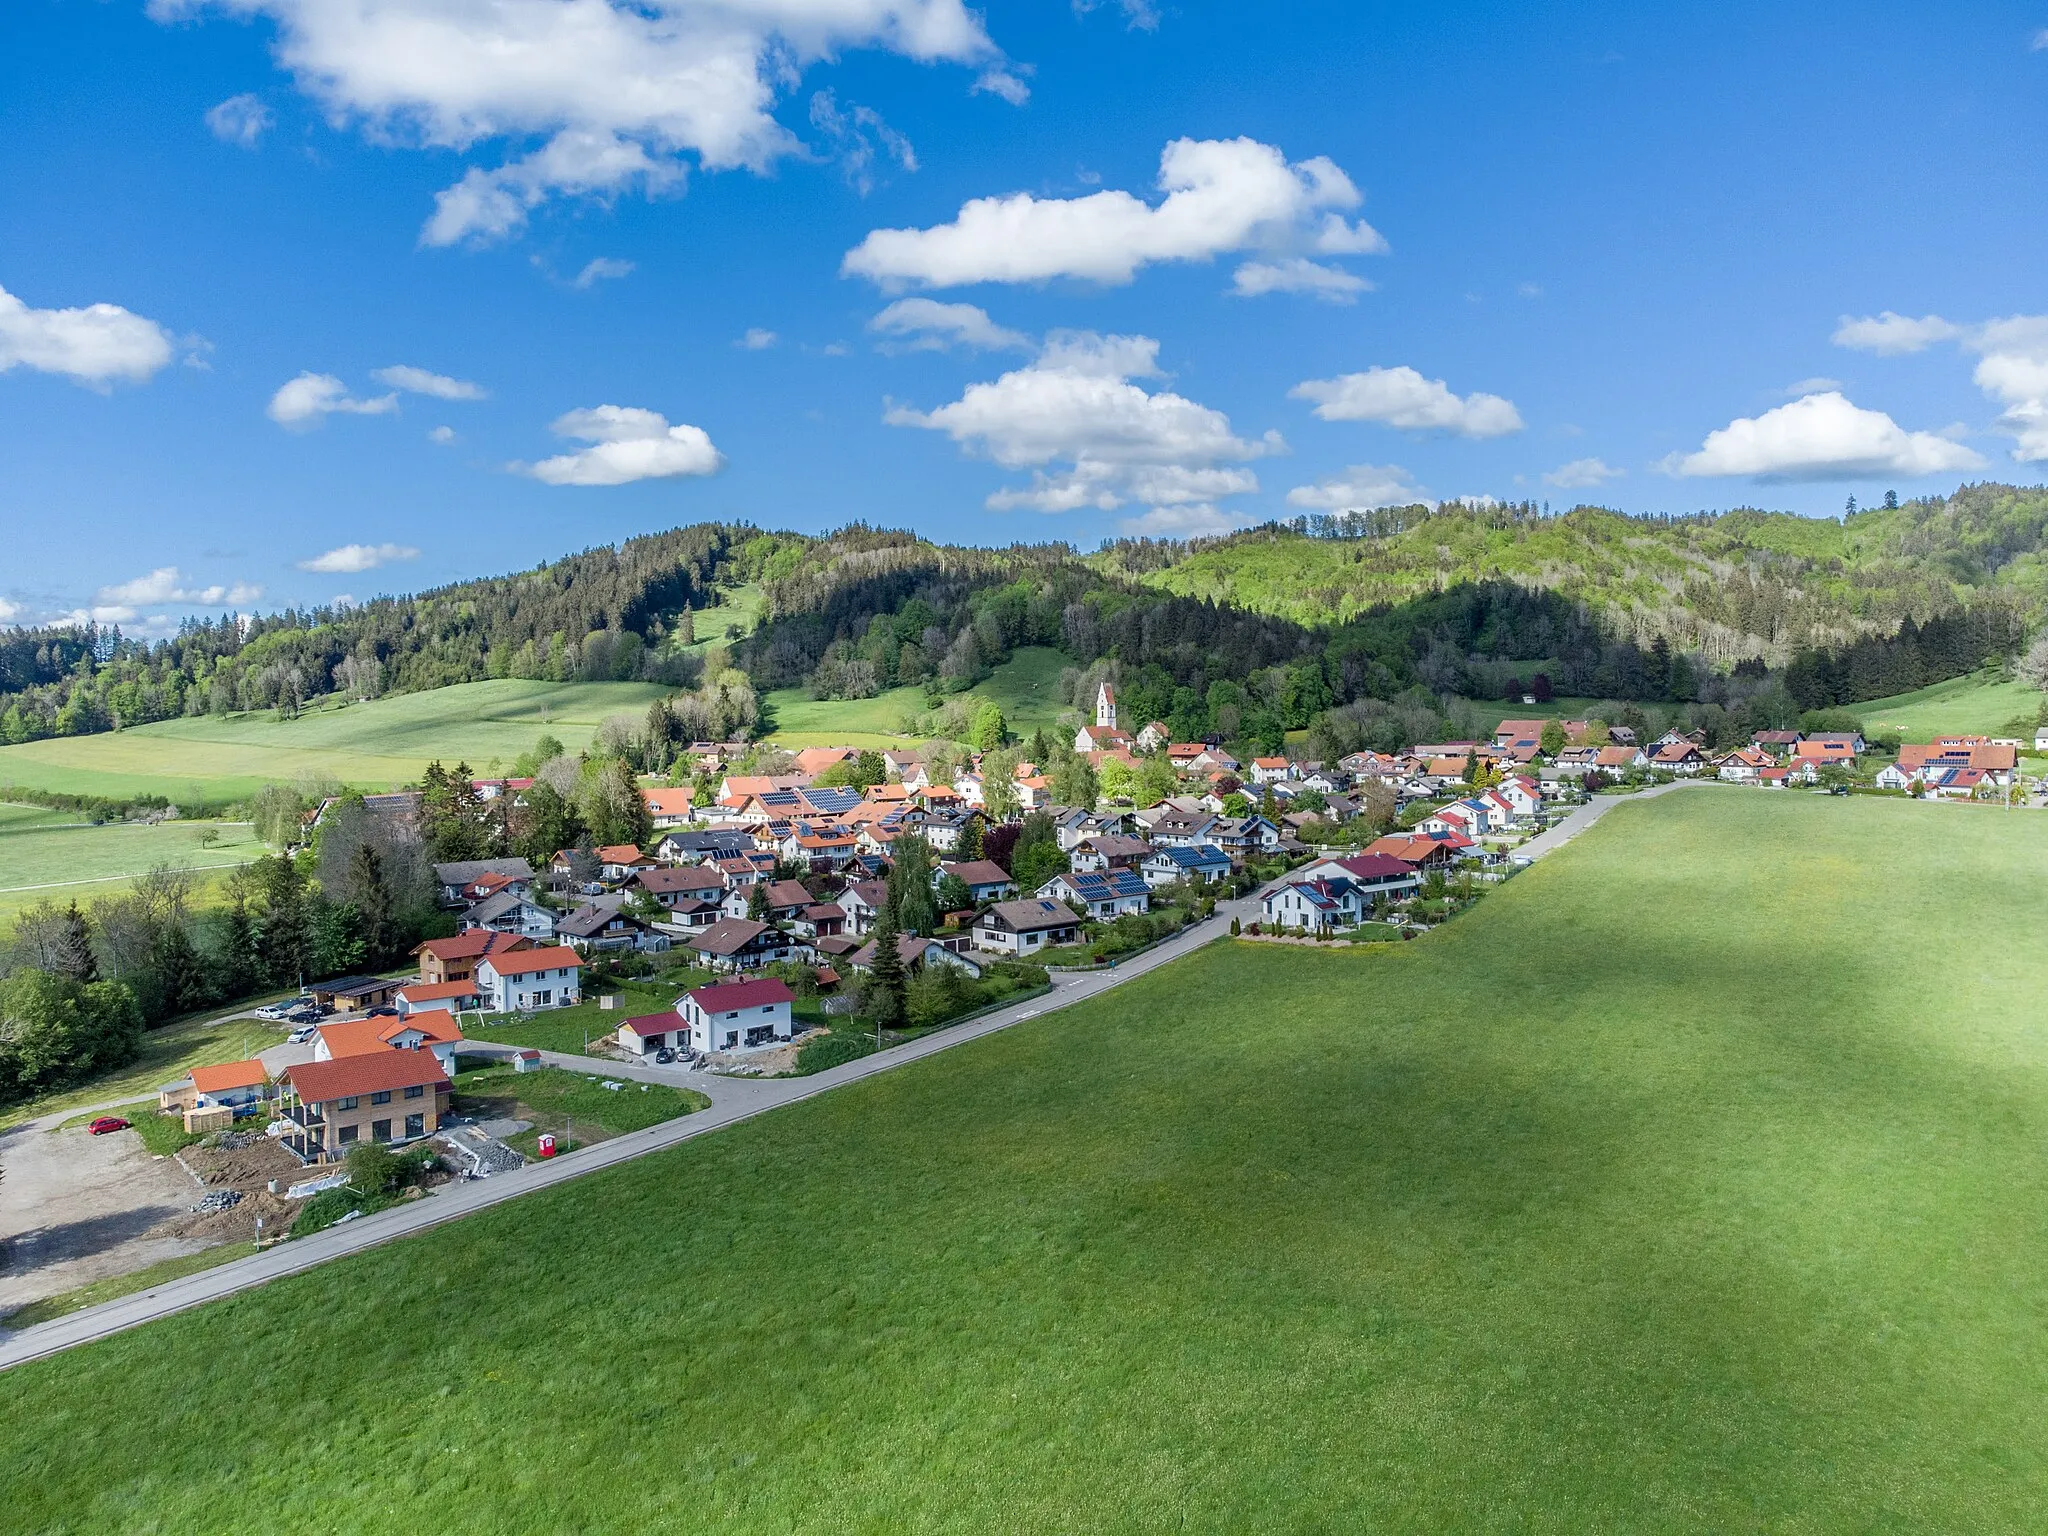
(1962, 706)
(1691, 1182)
(1026, 688)
(211, 760)
(56, 856)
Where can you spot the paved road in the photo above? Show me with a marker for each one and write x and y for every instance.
(732, 1100)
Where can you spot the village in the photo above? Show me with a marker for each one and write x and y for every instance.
(768, 906)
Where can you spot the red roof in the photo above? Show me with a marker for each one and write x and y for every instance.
(467, 946)
(526, 962)
(647, 1024)
(322, 1082)
(620, 853)
(1374, 866)
(229, 1075)
(437, 991)
(726, 996)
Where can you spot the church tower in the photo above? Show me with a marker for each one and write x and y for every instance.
(1105, 707)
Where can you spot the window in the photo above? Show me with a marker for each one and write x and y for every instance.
(416, 1091)
(381, 1129)
(769, 1009)
(348, 1134)
(382, 1096)
(347, 1103)
(415, 1125)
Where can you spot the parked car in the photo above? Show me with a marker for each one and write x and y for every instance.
(301, 1036)
(106, 1123)
(277, 1012)
(664, 1056)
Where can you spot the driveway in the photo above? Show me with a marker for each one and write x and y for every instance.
(74, 1208)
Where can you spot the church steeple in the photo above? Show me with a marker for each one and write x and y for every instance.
(1105, 707)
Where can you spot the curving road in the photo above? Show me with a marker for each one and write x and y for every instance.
(732, 1099)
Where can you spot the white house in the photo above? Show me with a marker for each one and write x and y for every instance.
(737, 1015)
(1200, 865)
(1314, 904)
(1022, 927)
(1271, 770)
(1103, 894)
(531, 978)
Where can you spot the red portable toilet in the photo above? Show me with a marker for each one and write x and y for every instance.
(547, 1144)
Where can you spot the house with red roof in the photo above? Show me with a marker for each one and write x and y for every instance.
(531, 978)
(386, 1096)
(745, 1015)
(669, 808)
(445, 960)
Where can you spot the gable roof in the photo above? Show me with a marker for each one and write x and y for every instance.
(727, 936)
(729, 996)
(462, 871)
(972, 872)
(620, 853)
(525, 962)
(472, 944)
(322, 1082)
(787, 893)
(437, 991)
(690, 877)
(230, 1075)
(668, 802)
(1102, 885)
(646, 1024)
(1032, 916)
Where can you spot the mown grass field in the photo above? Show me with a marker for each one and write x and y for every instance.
(1026, 688)
(213, 760)
(1961, 706)
(57, 856)
(1692, 1182)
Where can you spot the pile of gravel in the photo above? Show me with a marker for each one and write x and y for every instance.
(219, 1200)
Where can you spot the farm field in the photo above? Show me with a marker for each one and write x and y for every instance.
(1026, 688)
(1692, 1182)
(1961, 706)
(54, 856)
(214, 760)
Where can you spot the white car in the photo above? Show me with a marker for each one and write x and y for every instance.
(301, 1036)
(276, 1011)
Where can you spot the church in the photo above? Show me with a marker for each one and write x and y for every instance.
(1103, 735)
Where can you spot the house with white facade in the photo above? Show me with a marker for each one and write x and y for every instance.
(527, 979)
(1024, 927)
(737, 1015)
(1104, 895)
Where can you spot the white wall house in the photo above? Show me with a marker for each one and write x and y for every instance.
(737, 1015)
(529, 979)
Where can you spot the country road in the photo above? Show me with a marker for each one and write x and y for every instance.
(733, 1099)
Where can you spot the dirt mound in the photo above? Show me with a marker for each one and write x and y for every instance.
(248, 1169)
(237, 1222)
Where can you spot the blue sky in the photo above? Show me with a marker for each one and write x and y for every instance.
(438, 288)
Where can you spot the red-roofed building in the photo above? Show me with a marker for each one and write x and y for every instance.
(737, 1015)
(232, 1085)
(668, 808)
(445, 960)
(531, 978)
(429, 1029)
(379, 1096)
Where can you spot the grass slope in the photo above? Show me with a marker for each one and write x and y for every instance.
(1692, 1182)
(167, 1054)
(212, 760)
(1962, 706)
(54, 856)
(1026, 687)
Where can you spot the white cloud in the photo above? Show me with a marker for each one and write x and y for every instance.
(98, 345)
(1090, 436)
(418, 381)
(1401, 397)
(310, 396)
(2012, 369)
(9, 611)
(1139, 15)
(628, 444)
(1582, 474)
(926, 325)
(1821, 437)
(343, 600)
(1818, 384)
(442, 435)
(859, 138)
(1891, 335)
(1220, 196)
(600, 268)
(1198, 521)
(1529, 290)
(163, 586)
(1297, 274)
(756, 340)
(1360, 488)
(241, 120)
(1006, 81)
(2040, 41)
(620, 91)
(350, 558)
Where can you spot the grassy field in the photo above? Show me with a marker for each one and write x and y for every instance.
(1692, 1182)
(577, 1109)
(1962, 706)
(1026, 687)
(167, 1053)
(212, 760)
(117, 1286)
(53, 855)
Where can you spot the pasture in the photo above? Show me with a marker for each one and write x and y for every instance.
(1692, 1182)
(57, 856)
(1025, 688)
(213, 760)
(1962, 706)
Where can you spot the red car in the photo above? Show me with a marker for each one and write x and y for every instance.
(106, 1123)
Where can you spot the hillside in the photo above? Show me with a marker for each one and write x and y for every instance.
(1689, 1236)
(1743, 583)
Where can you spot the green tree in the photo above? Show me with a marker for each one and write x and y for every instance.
(373, 1168)
(180, 979)
(757, 902)
(910, 886)
(1038, 857)
(544, 825)
(54, 1030)
(1074, 781)
(886, 995)
(369, 892)
(952, 895)
(1552, 741)
(969, 846)
(279, 814)
(988, 729)
(78, 963)
(285, 935)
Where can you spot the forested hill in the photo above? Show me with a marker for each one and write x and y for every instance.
(1727, 586)
(1254, 633)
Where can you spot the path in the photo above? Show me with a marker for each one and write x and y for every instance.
(733, 1099)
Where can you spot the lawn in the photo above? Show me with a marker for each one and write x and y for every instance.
(167, 1054)
(1961, 706)
(1692, 1182)
(64, 858)
(568, 1029)
(212, 760)
(1026, 687)
(575, 1107)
